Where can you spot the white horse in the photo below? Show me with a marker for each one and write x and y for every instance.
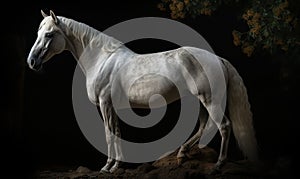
(56, 34)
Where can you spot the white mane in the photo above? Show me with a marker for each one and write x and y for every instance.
(84, 32)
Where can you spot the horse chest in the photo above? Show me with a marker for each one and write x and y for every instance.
(91, 93)
(94, 87)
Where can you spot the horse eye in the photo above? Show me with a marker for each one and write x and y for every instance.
(49, 35)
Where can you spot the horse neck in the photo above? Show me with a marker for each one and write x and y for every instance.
(88, 45)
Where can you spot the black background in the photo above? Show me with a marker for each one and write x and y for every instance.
(38, 126)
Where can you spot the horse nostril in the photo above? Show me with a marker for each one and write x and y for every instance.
(32, 62)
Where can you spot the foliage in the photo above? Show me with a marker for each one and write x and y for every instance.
(272, 26)
(182, 8)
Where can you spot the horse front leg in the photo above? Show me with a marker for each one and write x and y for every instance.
(110, 160)
(117, 144)
(107, 112)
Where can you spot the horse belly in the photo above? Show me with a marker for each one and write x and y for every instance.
(150, 89)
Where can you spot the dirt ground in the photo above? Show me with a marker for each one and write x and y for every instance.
(198, 165)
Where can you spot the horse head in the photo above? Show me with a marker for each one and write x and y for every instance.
(50, 41)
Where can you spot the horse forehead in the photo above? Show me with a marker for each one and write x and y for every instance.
(47, 23)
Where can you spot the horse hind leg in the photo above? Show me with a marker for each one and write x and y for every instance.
(225, 130)
(203, 117)
(224, 126)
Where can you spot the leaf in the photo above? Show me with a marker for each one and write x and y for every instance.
(266, 33)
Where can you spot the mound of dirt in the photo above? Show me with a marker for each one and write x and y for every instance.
(198, 164)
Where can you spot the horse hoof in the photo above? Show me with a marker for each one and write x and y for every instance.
(214, 171)
(217, 168)
(112, 170)
(181, 160)
(104, 171)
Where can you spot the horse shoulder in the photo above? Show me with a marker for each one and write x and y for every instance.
(98, 81)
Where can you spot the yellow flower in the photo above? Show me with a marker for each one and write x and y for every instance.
(251, 22)
(248, 50)
(278, 42)
(172, 7)
(174, 15)
(277, 11)
(161, 7)
(206, 3)
(266, 46)
(236, 38)
(284, 5)
(255, 30)
(288, 19)
(180, 6)
(256, 16)
(250, 13)
(285, 47)
(207, 11)
(181, 15)
(245, 16)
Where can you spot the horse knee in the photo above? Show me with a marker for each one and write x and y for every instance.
(225, 128)
(109, 139)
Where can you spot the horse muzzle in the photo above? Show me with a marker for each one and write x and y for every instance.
(34, 64)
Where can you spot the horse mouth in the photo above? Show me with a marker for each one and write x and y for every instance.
(37, 67)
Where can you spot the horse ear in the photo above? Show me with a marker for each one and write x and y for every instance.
(43, 14)
(54, 17)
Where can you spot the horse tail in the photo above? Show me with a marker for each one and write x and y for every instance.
(240, 113)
